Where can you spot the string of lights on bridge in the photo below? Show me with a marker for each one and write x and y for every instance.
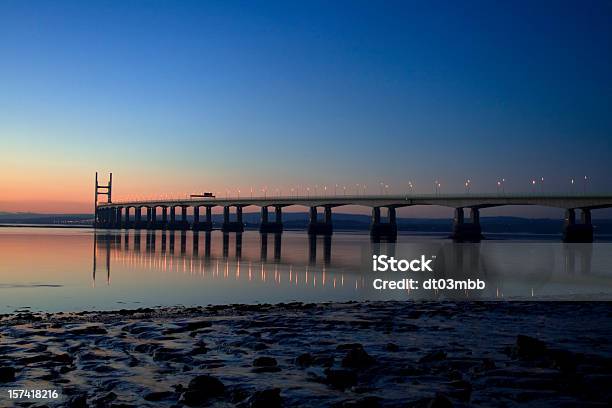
(536, 185)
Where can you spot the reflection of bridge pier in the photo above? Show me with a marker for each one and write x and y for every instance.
(137, 241)
(312, 249)
(150, 241)
(584, 253)
(277, 246)
(238, 245)
(171, 243)
(183, 242)
(264, 246)
(226, 238)
(207, 244)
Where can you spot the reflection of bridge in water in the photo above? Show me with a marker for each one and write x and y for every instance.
(129, 214)
(164, 248)
(310, 263)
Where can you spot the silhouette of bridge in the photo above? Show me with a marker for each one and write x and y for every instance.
(129, 214)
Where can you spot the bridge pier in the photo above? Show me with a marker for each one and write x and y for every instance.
(184, 224)
(574, 232)
(172, 223)
(315, 227)
(386, 230)
(205, 225)
(153, 223)
(463, 231)
(273, 227)
(149, 217)
(126, 222)
(138, 217)
(118, 214)
(164, 223)
(232, 226)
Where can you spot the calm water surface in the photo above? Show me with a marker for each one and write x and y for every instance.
(53, 269)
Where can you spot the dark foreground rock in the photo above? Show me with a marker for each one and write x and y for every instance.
(376, 354)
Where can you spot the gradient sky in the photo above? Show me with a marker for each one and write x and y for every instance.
(179, 96)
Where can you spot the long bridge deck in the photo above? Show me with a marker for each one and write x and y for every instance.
(117, 214)
(565, 201)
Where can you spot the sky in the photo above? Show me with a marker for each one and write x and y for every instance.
(176, 97)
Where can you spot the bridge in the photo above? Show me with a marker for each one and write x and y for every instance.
(111, 214)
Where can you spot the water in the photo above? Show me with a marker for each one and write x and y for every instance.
(53, 269)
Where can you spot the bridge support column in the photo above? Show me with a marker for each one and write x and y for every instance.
(184, 223)
(149, 217)
(463, 231)
(196, 218)
(118, 213)
(206, 225)
(153, 224)
(232, 226)
(172, 224)
(164, 218)
(574, 232)
(267, 226)
(138, 217)
(383, 230)
(239, 214)
(104, 217)
(126, 223)
(320, 228)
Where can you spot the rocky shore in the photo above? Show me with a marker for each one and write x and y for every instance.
(370, 354)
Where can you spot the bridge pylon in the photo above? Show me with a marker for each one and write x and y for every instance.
(102, 217)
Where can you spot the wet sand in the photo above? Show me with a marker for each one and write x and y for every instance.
(390, 354)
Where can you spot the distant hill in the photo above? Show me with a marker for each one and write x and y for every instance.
(342, 221)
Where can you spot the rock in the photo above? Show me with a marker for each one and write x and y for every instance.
(89, 330)
(7, 374)
(357, 358)
(62, 358)
(158, 396)
(77, 401)
(199, 349)
(168, 354)
(440, 401)
(265, 362)
(269, 398)
(433, 356)
(304, 360)
(340, 378)
(202, 388)
(529, 347)
(392, 347)
(348, 346)
(105, 400)
(198, 324)
(463, 389)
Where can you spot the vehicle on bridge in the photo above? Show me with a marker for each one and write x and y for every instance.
(203, 195)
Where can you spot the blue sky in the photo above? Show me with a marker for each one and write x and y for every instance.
(182, 96)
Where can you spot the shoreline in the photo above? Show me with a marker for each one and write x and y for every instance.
(387, 354)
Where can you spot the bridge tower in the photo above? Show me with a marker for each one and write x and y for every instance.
(105, 190)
